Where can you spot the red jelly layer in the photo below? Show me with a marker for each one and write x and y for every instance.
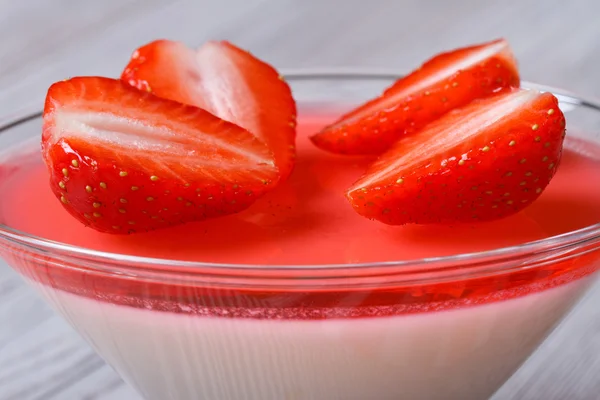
(306, 221)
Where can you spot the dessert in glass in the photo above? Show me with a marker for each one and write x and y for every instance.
(440, 292)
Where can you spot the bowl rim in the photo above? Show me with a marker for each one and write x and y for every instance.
(542, 247)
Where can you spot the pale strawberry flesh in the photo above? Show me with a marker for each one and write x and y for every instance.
(226, 81)
(486, 161)
(122, 160)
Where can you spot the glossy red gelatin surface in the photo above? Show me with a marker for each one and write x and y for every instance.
(307, 221)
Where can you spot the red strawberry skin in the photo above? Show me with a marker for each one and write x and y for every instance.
(421, 97)
(459, 170)
(226, 81)
(125, 161)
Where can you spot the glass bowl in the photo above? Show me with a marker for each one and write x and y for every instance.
(448, 327)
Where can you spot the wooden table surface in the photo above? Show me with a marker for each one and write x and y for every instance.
(41, 41)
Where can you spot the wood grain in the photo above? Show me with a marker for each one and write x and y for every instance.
(556, 42)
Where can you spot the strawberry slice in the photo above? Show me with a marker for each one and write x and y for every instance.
(445, 82)
(123, 161)
(485, 161)
(228, 82)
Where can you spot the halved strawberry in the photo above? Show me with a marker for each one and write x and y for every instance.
(227, 81)
(123, 161)
(485, 161)
(445, 82)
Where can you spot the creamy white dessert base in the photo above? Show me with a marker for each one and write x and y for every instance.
(458, 354)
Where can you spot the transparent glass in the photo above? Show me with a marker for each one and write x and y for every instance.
(441, 328)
